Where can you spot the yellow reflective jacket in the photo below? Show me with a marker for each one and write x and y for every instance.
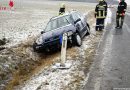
(100, 11)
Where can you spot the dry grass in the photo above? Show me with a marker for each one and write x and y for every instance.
(19, 76)
(14, 82)
(72, 52)
(46, 61)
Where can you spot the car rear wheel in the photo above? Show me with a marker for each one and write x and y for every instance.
(77, 39)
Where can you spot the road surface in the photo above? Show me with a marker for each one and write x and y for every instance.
(111, 68)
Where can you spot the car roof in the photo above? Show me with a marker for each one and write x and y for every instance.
(68, 13)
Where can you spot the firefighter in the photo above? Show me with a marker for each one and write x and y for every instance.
(100, 15)
(120, 13)
(62, 9)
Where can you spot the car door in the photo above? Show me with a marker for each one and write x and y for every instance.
(56, 31)
(78, 23)
(68, 26)
(83, 22)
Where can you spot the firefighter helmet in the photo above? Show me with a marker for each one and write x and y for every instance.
(62, 5)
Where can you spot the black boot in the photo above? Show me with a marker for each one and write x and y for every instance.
(117, 27)
(100, 29)
(96, 28)
(120, 27)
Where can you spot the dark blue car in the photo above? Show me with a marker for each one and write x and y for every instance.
(73, 23)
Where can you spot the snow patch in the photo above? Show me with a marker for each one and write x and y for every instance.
(108, 18)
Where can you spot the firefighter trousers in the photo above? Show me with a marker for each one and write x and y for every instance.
(99, 24)
(119, 20)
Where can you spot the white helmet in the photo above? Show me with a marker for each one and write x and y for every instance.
(62, 5)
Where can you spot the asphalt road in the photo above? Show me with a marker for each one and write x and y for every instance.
(111, 67)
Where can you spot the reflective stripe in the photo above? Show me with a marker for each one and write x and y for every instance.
(103, 13)
(101, 25)
(99, 13)
(101, 16)
(121, 5)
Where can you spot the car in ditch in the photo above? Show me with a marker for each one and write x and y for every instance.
(73, 23)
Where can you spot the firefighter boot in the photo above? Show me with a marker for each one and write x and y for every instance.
(100, 28)
(97, 28)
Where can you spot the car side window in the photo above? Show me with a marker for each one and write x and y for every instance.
(69, 19)
(62, 22)
(51, 25)
(54, 24)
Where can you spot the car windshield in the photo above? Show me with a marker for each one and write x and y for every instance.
(57, 23)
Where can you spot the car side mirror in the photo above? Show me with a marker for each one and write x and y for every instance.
(42, 32)
(77, 21)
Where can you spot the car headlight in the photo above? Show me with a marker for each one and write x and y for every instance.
(69, 33)
(39, 40)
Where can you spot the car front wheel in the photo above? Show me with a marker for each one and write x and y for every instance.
(77, 39)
